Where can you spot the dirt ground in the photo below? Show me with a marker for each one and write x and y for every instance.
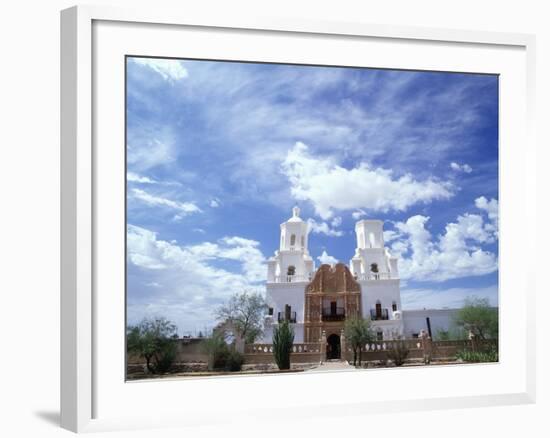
(199, 369)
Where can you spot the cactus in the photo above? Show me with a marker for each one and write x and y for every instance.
(283, 339)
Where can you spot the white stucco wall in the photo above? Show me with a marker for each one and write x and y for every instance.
(280, 294)
(415, 320)
(271, 323)
(391, 329)
(387, 291)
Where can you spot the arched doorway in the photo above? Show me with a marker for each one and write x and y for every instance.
(333, 347)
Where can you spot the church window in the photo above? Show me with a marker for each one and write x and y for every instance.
(270, 311)
(379, 335)
(374, 267)
(287, 312)
(291, 270)
(394, 306)
(292, 240)
(372, 240)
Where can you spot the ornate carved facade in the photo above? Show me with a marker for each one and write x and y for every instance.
(332, 296)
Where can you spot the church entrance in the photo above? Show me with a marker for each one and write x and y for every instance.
(333, 347)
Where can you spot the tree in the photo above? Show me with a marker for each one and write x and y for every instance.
(358, 333)
(283, 340)
(153, 339)
(477, 317)
(245, 312)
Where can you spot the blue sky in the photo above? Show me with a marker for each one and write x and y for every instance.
(218, 153)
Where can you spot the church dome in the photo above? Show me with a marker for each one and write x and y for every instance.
(295, 215)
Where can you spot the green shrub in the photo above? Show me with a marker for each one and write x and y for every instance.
(165, 356)
(398, 353)
(217, 350)
(233, 361)
(283, 340)
(220, 355)
(478, 356)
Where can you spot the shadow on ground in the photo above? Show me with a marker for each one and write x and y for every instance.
(51, 417)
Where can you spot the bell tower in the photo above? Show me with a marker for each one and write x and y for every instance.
(369, 234)
(292, 261)
(288, 273)
(375, 269)
(294, 233)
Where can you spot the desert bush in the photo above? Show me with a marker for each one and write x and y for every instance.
(220, 355)
(165, 357)
(398, 353)
(234, 361)
(490, 355)
(217, 350)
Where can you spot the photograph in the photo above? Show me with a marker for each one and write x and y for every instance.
(296, 218)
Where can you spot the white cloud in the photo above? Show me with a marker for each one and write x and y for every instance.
(456, 253)
(466, 168)
(148, 153)
(243, 104)
(390, 235)
(336, 222)
(134, 177)
(491, 207)
(323, 228)
(215, 203)
(328, 186)
(183, 208)
(170, 69)
(326, 259)
(238, 249)
(194, 278)
(358, 214)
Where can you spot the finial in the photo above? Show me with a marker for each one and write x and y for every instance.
(296, 211)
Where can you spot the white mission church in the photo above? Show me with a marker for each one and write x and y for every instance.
(319, 300)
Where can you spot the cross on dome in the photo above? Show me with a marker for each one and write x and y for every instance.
(295, 215)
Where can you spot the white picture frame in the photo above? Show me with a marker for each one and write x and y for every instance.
(83, 172)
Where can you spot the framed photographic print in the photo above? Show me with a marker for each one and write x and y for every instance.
(254, 209)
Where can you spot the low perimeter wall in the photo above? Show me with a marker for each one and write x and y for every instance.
(301, 353)
(374, 351)
(188, 350)
(191, 350)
